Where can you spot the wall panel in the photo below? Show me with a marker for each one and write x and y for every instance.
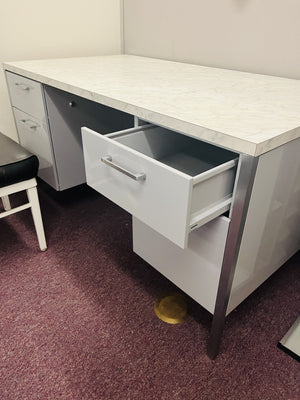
(37, 29)
(247, 35)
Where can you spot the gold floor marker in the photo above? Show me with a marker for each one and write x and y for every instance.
(171, 309)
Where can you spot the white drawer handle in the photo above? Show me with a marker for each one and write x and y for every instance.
(22, 86)
(136, 176)
(30, 124)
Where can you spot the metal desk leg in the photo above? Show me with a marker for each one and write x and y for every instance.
(242, 192)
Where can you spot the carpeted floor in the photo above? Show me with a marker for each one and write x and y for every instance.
(77, 321)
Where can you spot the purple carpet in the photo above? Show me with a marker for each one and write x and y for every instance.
(77, 321)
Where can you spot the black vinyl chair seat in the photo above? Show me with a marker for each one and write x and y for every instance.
(16, 163)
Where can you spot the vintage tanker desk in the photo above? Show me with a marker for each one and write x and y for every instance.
(206, 160)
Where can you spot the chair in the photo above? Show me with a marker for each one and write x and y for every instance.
(18, 171)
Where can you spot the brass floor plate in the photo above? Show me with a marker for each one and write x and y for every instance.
(171, 309)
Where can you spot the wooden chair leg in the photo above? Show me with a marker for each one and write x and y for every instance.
(6, 203)
(37, 218)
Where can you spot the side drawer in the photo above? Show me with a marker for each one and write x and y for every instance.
(169, 181)
(26, 95)
(33, 135)
(196, 269)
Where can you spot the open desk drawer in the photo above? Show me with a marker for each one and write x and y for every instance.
(169, 181)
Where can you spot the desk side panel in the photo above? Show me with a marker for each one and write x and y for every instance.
(272, 230)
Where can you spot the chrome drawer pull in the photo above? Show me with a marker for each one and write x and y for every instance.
(137, 177)
(23, 86)
(30, 124)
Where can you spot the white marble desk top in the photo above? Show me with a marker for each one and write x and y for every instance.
(248, 113)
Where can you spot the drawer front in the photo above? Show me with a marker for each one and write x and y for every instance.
(33, 135)
(196, 269)
(161, 200)
(26, 95)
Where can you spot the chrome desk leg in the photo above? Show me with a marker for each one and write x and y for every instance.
(242, 192)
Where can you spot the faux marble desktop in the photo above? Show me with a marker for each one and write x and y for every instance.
(248, 113)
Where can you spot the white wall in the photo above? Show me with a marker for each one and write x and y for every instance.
(36, 29)
(261, 36)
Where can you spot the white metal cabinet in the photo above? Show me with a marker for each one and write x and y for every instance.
(34, 136)
(49, 124)
(31, 120)
(169, 181)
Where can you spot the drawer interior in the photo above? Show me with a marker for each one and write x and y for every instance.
(178, 151)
